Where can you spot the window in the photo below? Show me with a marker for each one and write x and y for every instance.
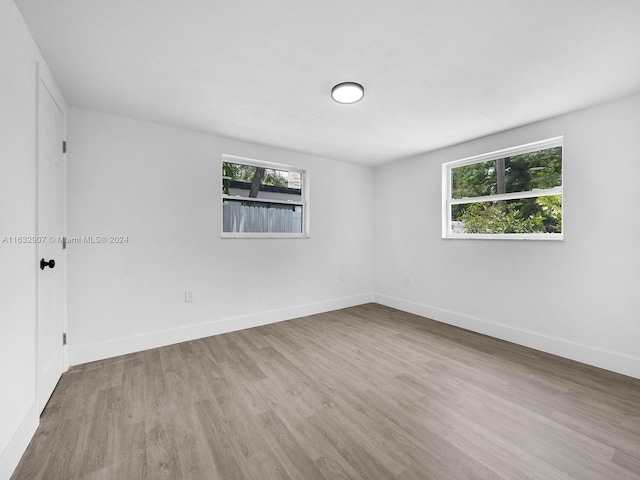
(512, 193)
(261, 199)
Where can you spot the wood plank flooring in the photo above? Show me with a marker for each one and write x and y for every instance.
(362, 393)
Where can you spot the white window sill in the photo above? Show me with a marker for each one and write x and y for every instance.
(264, 235)
(508, 236)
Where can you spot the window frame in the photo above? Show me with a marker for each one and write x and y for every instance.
(304, 202)
(448, 201)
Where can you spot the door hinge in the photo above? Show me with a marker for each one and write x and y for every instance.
(64, 339)
(64, 146)
(64, 243)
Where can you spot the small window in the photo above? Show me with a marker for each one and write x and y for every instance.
(261, 199)
(510, 194)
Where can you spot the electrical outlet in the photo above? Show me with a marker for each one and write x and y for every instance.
(188, 296)
(407, 281)
(341, 277)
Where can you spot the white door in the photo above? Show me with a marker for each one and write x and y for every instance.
(50, 261)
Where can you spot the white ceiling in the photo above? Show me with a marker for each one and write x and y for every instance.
(435, 72)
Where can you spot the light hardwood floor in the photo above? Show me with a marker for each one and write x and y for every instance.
(362, 393)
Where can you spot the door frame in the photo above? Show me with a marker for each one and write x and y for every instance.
(44, 76)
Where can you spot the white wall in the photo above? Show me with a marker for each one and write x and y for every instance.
(19, 414)
(577, 298)
(160, 186)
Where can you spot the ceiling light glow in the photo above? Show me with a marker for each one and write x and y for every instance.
(347, 92)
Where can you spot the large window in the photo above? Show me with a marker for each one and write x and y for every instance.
(512, 193)
(261, 199)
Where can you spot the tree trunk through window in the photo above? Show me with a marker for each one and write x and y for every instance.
(500, 183)
(256, 181)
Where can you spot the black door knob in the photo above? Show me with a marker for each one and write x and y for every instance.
(43, 263)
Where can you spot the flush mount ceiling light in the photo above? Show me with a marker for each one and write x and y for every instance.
(347, 92)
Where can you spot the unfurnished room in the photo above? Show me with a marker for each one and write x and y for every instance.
(320, 240)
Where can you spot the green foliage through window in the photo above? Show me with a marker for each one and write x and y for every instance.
(246, 173)
(529, 215)
(520, 173)
(522, 192)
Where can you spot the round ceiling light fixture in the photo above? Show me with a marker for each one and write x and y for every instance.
(347, 92)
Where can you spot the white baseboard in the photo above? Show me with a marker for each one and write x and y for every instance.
(12, 453)
(120, 346)
(591, 356)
